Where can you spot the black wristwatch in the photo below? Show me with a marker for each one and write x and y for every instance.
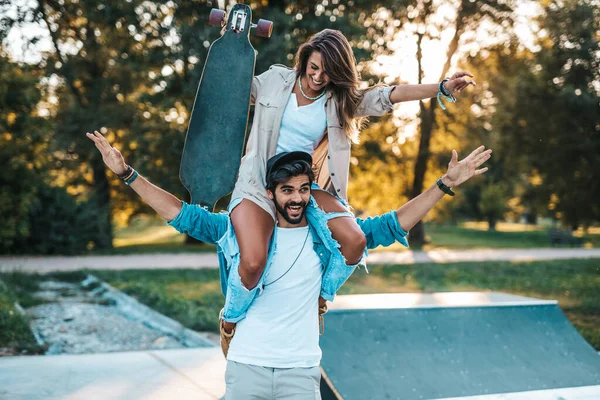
(444, 188)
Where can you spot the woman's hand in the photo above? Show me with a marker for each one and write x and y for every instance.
(461, 171)
(111, 156)
(459, 81)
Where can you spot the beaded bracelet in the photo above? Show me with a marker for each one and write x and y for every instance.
(443, 92)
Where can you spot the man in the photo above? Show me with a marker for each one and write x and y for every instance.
(275, 351)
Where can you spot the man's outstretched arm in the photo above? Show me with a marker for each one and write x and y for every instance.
(164, 203)
(388, 228)
(458, 172)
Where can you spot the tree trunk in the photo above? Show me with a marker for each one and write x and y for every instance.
(491, 223)
(417, 233)
(427, 114)
(104, 234)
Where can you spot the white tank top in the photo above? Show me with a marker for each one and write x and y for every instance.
(302, 128)
(281, 328)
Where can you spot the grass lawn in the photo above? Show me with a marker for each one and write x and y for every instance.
(15, 336)
(194, 297)
(153, 236)
(476, 235)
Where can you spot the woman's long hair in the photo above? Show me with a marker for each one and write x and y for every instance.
(340, 66)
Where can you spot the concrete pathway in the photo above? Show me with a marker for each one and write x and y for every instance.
(209, 260)
(149, 375)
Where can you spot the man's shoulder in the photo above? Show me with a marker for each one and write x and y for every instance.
(197, 211)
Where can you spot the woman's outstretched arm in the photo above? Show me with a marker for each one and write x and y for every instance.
(455, 84)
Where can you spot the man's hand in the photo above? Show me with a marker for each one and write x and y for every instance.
(111, 156)
(461, 171)
(459, 81)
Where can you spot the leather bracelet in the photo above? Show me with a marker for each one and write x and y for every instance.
(444, 188)
(127, 174)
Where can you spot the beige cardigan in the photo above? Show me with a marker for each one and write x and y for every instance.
(270, 94)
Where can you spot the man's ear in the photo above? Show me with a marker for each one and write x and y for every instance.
(270, 194)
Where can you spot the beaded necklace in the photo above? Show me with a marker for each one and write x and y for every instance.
(304, 94)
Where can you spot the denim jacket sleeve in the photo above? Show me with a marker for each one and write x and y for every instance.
(383, 230)
(200, 223)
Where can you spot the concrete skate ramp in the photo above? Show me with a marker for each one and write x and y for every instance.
(415, 346)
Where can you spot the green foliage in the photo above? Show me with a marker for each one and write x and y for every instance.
(23, 150)
(138, 63)
(37, 218)
(15, 336)
(192, 297)
(556, 146)
(18, 192)
(49, 221)
(57, 225)
(493, 203)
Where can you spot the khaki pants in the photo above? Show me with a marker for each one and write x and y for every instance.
(251, 382)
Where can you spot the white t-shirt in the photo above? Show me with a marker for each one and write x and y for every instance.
(302, 128)
(281, 328)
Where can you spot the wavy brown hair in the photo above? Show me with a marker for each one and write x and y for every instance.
(339, 64)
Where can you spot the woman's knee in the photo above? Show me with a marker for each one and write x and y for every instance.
(327, 202)
(253, 265)
(344, 229)
(353, 248)
(350, 237)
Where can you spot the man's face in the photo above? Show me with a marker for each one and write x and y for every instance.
(291, 198)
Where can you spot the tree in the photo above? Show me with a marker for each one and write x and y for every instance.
(22, 148)
(133, 67)
(556, 146)
(469, 18)
(493, 204)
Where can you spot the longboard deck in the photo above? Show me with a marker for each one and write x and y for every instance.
(216, 134)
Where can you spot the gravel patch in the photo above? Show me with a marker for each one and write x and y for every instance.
(93, 317)
(77, 328)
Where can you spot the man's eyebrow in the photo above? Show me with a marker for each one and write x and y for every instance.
(291, 187)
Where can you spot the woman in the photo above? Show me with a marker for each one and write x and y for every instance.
(316, 107)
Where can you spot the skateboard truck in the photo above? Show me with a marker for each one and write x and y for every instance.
(238, 19)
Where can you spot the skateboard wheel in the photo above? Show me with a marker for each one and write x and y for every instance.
(216, 17)
(264, 28)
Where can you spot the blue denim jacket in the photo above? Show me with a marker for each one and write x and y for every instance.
(217, 229)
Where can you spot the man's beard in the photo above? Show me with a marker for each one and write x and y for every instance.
(283, 210)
